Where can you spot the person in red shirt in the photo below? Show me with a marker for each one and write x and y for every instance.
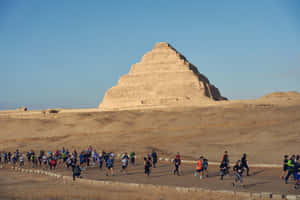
(53, 164)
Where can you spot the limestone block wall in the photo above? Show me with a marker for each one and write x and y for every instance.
(164, 77)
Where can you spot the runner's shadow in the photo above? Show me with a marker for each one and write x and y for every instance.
(255, 184)
(257, 172)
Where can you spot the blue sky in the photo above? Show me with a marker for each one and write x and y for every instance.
(64, 53)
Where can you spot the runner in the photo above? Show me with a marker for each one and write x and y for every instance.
(179, 157)
(95, 157)
(125, 156)
(69, 162)
(112, 155)
(49, 159)
(297, 172)
(40, 158)
(9, 157)
(5, 157)
(177, 163)
(225, 158)
(109, 166)
(14, 159)
(291, 168)
(205, 167)
(154, 157)
(21, 161)
(132, 158)
(125, 164)
(101, 159)
(199, 168)
(223, 169)
(105, 156)
(32, 158)
(244, 163)
(147, 166)
(81, 158)
(53, 164)
(285, 167)
(238, 171)
(76, 171)
(44, 158)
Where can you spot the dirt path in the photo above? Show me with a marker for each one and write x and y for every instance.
(260, 179)
(20, 186)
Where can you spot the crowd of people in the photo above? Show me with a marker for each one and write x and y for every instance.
(78, 162)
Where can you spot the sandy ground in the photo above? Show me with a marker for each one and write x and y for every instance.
(264, 131)
(18, 186)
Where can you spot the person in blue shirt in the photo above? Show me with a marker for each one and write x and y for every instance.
(109, 166)
(82, 158)
(101, 159)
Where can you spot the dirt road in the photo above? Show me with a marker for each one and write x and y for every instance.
(260, 179)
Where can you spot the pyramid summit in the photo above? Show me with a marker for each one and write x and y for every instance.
(163, 78)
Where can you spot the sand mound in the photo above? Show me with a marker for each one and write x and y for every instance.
(291, 94)
(164, 77)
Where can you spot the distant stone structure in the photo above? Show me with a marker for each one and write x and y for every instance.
(23, 109)
(163, 78)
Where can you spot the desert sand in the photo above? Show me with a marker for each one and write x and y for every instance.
(264, 128)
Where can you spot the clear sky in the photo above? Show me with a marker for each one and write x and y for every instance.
(64, 53)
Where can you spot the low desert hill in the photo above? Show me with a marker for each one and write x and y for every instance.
(265, 128)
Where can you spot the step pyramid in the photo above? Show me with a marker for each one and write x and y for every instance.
(163, 78)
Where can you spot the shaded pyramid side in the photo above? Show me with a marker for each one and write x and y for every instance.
(164, 77)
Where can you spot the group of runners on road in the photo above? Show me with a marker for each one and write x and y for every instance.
(78, 162)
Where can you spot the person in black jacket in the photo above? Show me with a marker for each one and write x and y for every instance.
(238, 171)
(154, 157)
(244, 163)
(76, 171)
(223, 169)
(291, 168)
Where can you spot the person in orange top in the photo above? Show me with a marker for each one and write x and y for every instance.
(199, 167)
